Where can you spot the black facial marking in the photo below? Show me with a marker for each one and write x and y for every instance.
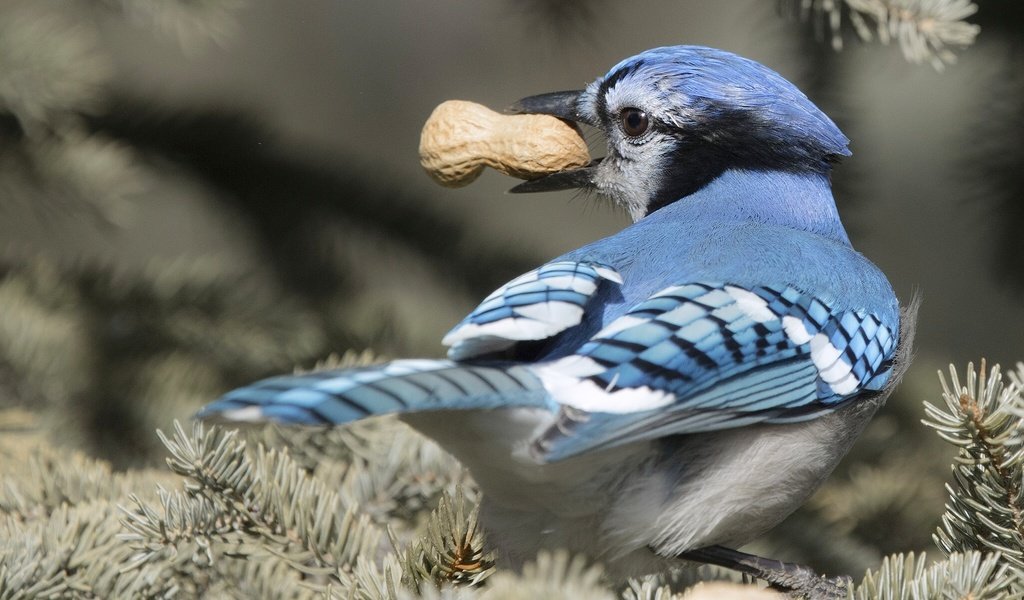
(610, 81)
(732, 139)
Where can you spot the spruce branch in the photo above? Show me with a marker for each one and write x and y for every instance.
(268, 578)
(984, 418)
(926, 30)
(86, 341)
(971, 575)
(265, 498)
(452, 550)
(683, 580)
(402, 473)
(429, 592)
(74, 552)
(649, 588)
(372, 581)
(552, 575)
(181, 518)
(38, 478)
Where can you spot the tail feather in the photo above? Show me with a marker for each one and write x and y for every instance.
(333, 397)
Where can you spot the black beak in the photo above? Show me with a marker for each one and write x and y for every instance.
(563, 180)
(564, 105)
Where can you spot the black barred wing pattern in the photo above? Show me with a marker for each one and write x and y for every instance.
(705, 356)
(533, 306)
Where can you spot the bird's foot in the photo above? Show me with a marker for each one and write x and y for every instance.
(796, 581)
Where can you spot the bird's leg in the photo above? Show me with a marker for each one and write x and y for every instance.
(796, 580)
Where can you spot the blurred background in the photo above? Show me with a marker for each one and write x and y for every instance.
(194, 195)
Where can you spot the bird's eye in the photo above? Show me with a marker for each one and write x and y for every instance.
(634, 121)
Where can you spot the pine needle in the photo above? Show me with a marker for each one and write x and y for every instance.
(926, 30)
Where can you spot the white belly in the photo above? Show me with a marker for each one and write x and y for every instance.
(672, 495)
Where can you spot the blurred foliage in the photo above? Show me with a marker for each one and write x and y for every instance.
(926, 30)
(109, 351)
(1000, 166)
(984, 418)
(107, 359)
(297, 210)
(96, 354)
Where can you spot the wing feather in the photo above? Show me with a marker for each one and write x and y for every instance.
(711, 355)
(533, 306)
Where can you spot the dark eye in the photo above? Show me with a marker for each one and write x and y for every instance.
(634, 121)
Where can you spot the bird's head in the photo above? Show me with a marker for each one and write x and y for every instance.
(678, 117)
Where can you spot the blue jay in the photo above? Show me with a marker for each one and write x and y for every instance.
(678, 388)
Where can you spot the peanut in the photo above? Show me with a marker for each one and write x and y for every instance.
(461, 138)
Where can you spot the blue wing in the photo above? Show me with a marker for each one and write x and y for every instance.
(533, 306)
(706, 356)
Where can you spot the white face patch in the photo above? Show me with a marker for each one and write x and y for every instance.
(630, 183)
(634, 168)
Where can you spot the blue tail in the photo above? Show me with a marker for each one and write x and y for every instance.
(333, 397)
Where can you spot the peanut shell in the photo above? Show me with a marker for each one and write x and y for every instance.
(460, 138)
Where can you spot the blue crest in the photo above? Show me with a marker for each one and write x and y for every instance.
(746, 104)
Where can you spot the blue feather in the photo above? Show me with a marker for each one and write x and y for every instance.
(534, 306)
(335, 397)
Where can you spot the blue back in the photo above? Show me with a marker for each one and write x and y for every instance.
(748, 229)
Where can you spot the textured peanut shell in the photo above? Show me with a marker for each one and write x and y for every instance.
(461, 138)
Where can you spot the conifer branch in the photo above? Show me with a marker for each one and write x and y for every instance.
(452, 550)
(265, 498)
(984, 418)
(971, 575)
(552, 575)
(926, 30)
